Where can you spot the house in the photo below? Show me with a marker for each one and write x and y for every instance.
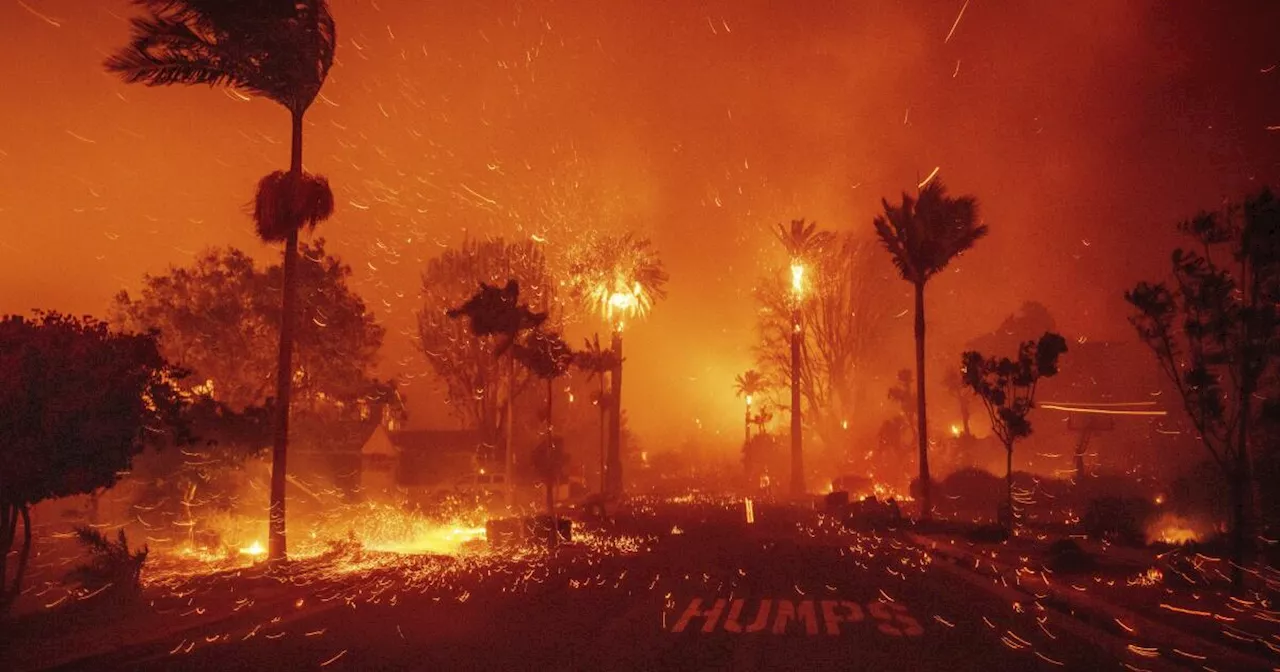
(398, 461)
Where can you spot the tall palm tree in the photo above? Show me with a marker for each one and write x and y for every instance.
(278, 49)
(923, 235)
(803, 243)
(749, 385)
(619, 277)
(598, 361)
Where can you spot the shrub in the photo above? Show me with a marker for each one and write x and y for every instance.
(1065, 555)
(111, 563)
(1118, 519)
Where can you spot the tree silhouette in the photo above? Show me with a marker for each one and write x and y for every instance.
(619, 277)
(471, 375)
(496, 312)
(77, 403)
(922, 236)
(598, 361)
(1216, 335)
(1007, 388)
(548, 357)
(903, 395)
(281, 51)
(219, 317)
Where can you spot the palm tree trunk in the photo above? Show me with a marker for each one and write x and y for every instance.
(276, 546)
(509, 456)
(604, 486)
(614, 467)
(922, 435)
(797, 455)
(551, 471)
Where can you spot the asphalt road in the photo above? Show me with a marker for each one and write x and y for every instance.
(705, 592)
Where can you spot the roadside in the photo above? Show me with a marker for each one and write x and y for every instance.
(1128, 593)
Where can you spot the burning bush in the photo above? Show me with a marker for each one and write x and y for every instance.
(1176, 530)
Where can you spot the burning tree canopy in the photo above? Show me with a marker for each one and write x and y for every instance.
(846, 322)
(618, 277)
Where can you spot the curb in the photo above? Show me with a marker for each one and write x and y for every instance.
(1099, 611)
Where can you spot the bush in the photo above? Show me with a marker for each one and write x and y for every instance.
(1065, 555)
(1118, 519)
(111, 563)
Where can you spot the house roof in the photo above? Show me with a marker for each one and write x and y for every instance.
(435, 440)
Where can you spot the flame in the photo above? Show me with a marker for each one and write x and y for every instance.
(619, 302)
(955, 430)
(1173, 529)
(797, 278)
(255, 549)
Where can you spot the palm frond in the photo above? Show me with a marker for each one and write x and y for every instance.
(283, 204)
(278, 49)
(924, 234)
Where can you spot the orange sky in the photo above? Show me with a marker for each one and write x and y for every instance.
(1084, 133)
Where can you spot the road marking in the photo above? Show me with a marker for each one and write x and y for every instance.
(783, 616)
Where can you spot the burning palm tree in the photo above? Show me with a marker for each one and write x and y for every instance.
(281, 51)
(923, 235)
(748, 386)
(803, 243)
(618, 277)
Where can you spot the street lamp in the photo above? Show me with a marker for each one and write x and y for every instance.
(797, 457)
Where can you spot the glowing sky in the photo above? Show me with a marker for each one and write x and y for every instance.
(1084, 133)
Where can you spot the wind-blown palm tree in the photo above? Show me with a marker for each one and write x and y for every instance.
(749, 385)
(803, 242)
(548, 357)
(597, 361)
(619, 277)
(923, 235)
(497, 312)
(278, 49)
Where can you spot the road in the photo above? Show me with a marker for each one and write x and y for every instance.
(706, 591)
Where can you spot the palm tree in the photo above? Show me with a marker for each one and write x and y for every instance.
(497, 312)
(619, 277)
(281, 51)
(803, 242)
(548, 357)
(922, 236)
(597, 361)
(749, 385)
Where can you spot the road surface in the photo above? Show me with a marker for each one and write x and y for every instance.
(704, 591)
